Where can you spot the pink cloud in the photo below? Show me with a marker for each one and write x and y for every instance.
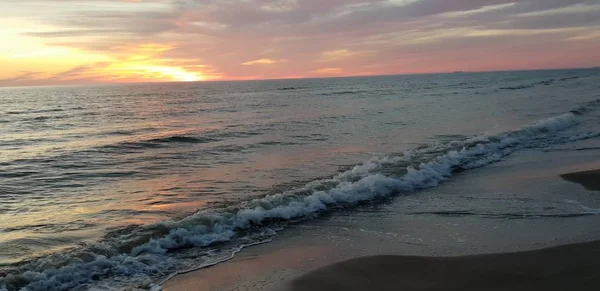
(274, 39)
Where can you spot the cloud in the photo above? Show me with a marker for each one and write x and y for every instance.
(242, 39)
(210, 25)
(263, 62)
(335, 55)
(480, 10)
(74, 33)
(575, 9)
(45, 52)
(328, 71)
(22, 76)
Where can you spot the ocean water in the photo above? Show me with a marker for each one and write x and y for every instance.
(120, 186)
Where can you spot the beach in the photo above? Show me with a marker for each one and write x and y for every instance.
(571, 267)
(379, 248)
(588, 179)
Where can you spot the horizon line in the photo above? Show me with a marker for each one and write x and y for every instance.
(294, 78)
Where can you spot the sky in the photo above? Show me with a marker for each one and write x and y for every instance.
(47, 42)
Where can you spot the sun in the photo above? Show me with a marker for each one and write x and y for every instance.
(156, 73)
(175, 73)
(191, 78)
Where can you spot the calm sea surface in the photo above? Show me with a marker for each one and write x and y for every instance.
(117, 186)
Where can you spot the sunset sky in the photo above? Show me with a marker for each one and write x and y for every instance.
(97, 41)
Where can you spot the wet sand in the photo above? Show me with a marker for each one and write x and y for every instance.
(570, 267)
(588, 179)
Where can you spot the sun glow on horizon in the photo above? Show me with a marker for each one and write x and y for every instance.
(146, 62)
(139, 63)
(174, 73)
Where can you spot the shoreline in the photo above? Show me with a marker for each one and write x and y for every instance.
(462, 252)
(565, 267)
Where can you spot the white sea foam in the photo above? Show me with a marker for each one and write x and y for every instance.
(362, 183)
(287, 206)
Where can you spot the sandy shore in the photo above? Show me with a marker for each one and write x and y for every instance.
(571, 267)
(588, 179)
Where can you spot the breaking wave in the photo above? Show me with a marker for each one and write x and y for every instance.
(138, 257)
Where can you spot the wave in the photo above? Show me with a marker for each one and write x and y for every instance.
(161, 142)
(569, 78)
(45, 118)
(17, 174)
(148, 253)
(278, 143)
(586, 107)
(543, 83)
(35, 111)
(51, 227)
(182, 139)
(347, 92)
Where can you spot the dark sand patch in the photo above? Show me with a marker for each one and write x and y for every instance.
(588, 179)
(571, 267)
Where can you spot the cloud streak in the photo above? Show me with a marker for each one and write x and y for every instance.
(223, 39)
(262, 62)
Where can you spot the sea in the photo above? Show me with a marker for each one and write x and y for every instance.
(121, 186)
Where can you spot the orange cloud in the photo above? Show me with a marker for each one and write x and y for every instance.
(146, 63)
(262, 62)
(329, 71)
(137, 63)
(335, 55)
